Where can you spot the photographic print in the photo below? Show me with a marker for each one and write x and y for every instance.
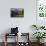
(17, 12)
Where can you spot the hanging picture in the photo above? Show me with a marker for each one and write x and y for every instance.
(41, 8)
(17, 12)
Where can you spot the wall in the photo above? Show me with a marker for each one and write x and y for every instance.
(24, 24)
